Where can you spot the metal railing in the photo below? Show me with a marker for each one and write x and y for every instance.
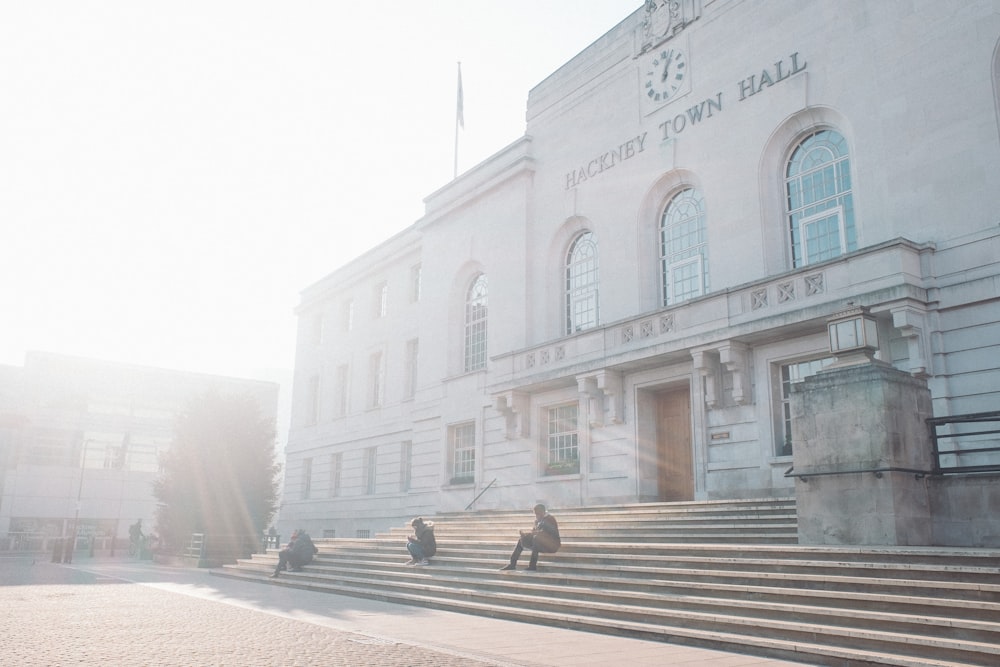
(481, 493)
(878, 472)
(971, 448)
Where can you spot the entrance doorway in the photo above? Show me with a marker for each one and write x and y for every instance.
(675, 462)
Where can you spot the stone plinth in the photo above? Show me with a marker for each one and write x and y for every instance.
(863, 429)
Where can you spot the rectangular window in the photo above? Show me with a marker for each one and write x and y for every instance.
(347, 315)
(376, 376)
(312, 400)
(475, 338)
(686, 279)
(329, 533)
(114, 458)
(822, 235)
(381, 300)
(562, 455)
(363, 533)
(142, 457)
(405, 465)
(307, 472)
(789, 375)
(412, 351)
(343, 377)
(583, 311)
(370, 460)
(336, 466)
(463, 453)
(415, 283)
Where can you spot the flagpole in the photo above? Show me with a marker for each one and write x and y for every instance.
(459, 116)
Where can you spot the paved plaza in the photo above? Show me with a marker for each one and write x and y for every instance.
(121, 612)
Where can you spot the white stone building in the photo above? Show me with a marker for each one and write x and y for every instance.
(614, 307)
(80, 441)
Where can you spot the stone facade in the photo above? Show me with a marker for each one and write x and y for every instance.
(862, 456)
(614, 307)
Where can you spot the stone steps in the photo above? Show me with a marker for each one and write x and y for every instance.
(821, 605)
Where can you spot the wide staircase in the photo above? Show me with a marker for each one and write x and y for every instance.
(727, 575)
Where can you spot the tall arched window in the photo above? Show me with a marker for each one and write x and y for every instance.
(819, 205)
(683, 248)
(475, 325)
(581, 284)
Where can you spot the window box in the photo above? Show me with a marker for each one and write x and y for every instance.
(563, 468)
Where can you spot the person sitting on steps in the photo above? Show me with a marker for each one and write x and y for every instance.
(298, 552)
(421, 544)
(543, 538)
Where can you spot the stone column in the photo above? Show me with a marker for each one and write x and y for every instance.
(862, 417)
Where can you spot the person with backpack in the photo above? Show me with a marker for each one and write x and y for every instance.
(542, 538)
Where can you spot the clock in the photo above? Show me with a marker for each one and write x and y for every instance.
(664, 74)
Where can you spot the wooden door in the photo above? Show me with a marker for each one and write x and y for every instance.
(673, 443)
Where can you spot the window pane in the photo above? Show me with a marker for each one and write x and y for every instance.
(463, 446)
(475, 325)
(817, 180)
(822, 237)
(684, 248)
(581, 284)
(562, 435)
(790, 374)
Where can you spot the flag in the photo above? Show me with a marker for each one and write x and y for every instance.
(459, 111)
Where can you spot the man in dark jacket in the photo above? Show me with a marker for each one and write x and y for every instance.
(543, 538)
(298, 552)
(421, 544)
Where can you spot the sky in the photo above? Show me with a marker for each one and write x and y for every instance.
(174, 174)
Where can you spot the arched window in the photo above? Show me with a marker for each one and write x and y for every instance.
(683, 248)
(819, 205)
(475, 325)
(581, 284)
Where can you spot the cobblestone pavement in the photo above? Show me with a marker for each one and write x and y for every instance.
(57, 615)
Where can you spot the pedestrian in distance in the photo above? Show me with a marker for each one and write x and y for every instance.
(421, 544)
(135, 538)
(298, 552)
(542, 538)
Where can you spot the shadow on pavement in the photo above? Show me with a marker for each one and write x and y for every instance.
(264, 596)
(38, 570)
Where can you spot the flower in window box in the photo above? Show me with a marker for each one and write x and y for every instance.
(567, 467)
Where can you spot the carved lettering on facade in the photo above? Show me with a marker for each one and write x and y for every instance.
(612, 158)
(695, 114)
(702, 111)
(755, 83)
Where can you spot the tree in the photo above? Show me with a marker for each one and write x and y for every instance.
(219, 476)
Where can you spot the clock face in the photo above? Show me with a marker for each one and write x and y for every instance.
(664, 74)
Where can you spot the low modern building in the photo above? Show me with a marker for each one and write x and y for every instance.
(80, 441)
(713, 202)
